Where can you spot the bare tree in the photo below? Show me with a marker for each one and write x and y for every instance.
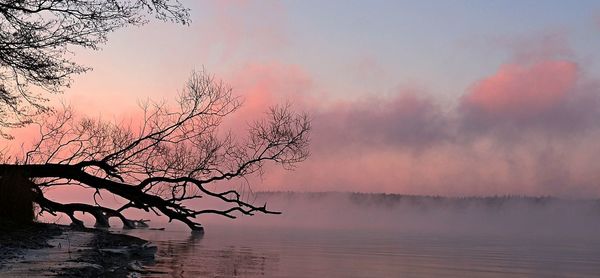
(165, 161)
(37, 35)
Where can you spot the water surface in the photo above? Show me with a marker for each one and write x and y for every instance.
(235, 251)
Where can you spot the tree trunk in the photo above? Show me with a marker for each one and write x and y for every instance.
(16, 199)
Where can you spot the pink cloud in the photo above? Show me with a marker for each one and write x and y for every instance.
(408, 143)
(263, 85)
(523, 90)
(406, 119)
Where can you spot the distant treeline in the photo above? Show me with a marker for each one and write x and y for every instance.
(425, 202)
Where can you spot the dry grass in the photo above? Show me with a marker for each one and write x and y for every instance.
(16, 199)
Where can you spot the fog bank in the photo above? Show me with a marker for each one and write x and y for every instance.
(504, 215)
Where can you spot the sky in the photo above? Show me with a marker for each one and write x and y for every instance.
(454, 98)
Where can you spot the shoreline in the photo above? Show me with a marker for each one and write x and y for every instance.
(57, 250)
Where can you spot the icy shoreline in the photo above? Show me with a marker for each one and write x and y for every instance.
(53, 250)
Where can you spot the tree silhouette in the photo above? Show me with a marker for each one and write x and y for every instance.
(163, 162)
(37, 35)
(160, 164)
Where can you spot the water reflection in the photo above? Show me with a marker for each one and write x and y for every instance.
(314, 253)
(191, 257)
(174, 253)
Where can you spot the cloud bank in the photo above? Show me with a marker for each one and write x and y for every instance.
(529, 128)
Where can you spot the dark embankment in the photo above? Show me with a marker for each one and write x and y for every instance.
(85, 253)
(15, 238)
(117, 255)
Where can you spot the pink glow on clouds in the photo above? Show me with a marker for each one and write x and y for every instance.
(517, 90)
(407, 143)
(405, 118)
(261, 86)
(267, 84)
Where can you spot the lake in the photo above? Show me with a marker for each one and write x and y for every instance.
(245, 251)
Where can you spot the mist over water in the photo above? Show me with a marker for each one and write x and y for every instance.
(384, 235)
(417, 214)
(378, 235)
(503, 215)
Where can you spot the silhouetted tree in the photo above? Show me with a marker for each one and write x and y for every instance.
(163, 162)
(37, 35)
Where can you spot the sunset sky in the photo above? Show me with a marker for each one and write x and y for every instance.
(414, 97)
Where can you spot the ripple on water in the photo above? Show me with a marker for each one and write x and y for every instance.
(262, 252)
